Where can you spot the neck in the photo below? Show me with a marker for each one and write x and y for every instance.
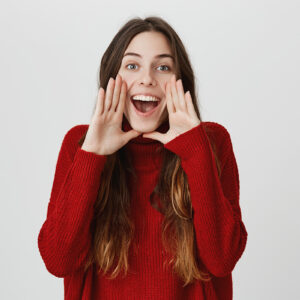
(146, 153)
(163, 128)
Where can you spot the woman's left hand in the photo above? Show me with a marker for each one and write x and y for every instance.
(182, 115)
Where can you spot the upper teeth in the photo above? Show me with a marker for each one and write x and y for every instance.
(145, 98)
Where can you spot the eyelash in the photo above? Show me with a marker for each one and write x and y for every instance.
(160, 66)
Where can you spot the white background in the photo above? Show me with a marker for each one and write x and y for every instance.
(245, 55)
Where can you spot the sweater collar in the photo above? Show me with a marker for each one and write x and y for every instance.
(146, 153)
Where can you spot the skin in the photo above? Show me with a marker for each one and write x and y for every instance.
(105, 135)
(147, 74)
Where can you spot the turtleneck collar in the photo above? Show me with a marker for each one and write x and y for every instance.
(146, 153)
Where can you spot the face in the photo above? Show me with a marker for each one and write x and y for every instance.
(146, 73)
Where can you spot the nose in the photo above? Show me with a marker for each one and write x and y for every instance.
(147, 78)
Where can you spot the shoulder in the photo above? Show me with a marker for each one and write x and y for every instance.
(218, 134)
(76, 132)
(216, 131)
(72, 137)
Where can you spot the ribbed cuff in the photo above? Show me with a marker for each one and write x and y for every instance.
(90, 164)
(189, 143)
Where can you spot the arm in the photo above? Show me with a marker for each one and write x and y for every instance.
(64, 239)
(219, 231)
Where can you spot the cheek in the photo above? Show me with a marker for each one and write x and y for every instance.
(164, 82)
(129, 81)
(126, 76)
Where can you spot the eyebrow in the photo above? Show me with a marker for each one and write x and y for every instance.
(157, 56)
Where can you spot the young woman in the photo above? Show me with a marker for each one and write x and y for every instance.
(145, 199)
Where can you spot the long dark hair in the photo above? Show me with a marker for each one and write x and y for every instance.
(112, 228)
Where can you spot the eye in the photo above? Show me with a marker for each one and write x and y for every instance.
(130, 65)
(166, 66)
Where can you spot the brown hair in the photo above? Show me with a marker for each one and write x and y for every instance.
(112, 228)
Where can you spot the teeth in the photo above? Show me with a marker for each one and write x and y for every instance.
(145, 98)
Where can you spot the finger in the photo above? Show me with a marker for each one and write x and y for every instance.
(170, 105)
(180, 92)
(190, 105)
(131, 134)
(109, 94)
(174, 93)
(121, 104)
(155, 136)
(100, 100)
(116, 95)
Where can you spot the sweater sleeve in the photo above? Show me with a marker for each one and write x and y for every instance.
(220, 233)
(64, 239)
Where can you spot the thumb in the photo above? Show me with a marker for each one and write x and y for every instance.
(131, 134)
(155, 136)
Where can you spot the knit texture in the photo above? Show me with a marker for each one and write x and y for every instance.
(65, 239)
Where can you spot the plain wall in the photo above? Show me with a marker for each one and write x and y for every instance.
(245, 55)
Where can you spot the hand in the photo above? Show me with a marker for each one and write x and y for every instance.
(182, 115)
(105, 135)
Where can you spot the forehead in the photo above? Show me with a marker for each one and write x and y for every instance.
(149, 45)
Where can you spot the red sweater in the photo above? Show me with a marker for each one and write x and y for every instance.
(64, 238)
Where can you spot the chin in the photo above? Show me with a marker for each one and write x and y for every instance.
(144, 128)
(147, 125)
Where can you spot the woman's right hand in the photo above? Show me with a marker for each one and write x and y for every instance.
(105, 135)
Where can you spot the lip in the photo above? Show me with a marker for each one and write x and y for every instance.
(148, 113)
(145, 94)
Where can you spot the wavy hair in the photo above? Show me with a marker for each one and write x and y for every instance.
(112, 228)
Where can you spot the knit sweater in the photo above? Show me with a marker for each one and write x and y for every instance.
(220, 234)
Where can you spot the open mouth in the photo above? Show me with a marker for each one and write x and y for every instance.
(145, 107)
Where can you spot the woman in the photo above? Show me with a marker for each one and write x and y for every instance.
(145, 199)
